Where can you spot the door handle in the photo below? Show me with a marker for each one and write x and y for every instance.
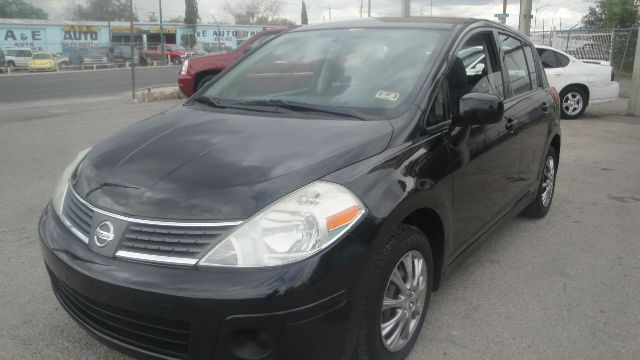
(510, 126)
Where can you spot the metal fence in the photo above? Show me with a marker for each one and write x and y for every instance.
(616, 46)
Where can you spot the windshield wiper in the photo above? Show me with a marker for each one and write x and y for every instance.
(302, 107)
(211, 101)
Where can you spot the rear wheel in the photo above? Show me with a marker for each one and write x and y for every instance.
(398, 297)
(542, 203)
(574, 102)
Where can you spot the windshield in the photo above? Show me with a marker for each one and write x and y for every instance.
(369, 70)
(41, 56)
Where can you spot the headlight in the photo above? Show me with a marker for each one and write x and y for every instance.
(293, 228)
(63, 182)
(185, 65)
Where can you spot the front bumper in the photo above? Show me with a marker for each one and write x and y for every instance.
(186, 84)
(302, 311)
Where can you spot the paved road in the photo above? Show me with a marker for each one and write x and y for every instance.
(24, 87)
(562, 288)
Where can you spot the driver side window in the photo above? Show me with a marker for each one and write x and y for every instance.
(475, 69)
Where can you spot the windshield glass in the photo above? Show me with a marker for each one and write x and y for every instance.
(368, 69)
(41, 56)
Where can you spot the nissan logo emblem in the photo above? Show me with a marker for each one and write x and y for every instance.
(104, 234)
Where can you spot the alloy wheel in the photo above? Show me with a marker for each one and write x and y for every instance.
(404, 301)
(548, 181)
(572, 103)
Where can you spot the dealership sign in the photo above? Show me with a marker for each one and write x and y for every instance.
(80, 36)
(227, 36)
(31, 38)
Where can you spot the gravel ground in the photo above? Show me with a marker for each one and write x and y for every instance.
(565, 287)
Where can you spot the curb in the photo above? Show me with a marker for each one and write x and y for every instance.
(158, 93)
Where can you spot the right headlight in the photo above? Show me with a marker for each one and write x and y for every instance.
(63, 182)
(293, 228)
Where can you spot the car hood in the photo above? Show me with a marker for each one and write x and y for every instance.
(195, 164)
(211, 60)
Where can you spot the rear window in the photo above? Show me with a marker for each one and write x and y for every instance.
(552, 59)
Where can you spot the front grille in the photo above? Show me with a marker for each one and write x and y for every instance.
(174, 241)
(157, 335)
(177, 243)
(77, 214)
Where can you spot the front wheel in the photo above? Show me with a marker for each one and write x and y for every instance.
(398, 296)
(542, 203)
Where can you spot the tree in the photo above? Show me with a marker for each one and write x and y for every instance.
(103, 10)
(304, 18)
(610, 14)
(257, 12)
(19, 9)
(191, 16)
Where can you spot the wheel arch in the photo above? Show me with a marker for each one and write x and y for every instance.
(200, 75)
(430, 223)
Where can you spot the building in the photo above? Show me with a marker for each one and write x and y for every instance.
(64, 36)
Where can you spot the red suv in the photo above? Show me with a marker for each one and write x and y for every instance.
(198, 71)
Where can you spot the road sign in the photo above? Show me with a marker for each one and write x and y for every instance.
(504, 16)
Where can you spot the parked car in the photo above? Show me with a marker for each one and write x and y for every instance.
(42, 61)
(176, 54)
(122, 54)
(580, 82)
(95, 56)
(196, 72)
(17, 57)
(61, 60)
(299, 207)
(2, 60)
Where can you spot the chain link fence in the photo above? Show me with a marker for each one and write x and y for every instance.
(616, 46)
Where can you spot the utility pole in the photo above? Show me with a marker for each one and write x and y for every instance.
(161, 34)
(368, 8)
(634, 97)
(133, 63)
(109, 21)
(361, 4)
(525, 17)
(406, 8)
(504, 11)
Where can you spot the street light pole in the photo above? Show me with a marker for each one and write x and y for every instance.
(219, 35)
(634, 97)
(161, 35)
(133, 63)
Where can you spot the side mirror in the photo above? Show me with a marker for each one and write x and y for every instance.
(479, 109)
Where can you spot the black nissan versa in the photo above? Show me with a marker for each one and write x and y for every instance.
(304, 204)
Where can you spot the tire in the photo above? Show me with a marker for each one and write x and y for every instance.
(202, 82)
(542, 203)
(142, 61)
(406, 240)
(573, 102)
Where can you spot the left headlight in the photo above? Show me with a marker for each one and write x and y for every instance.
(63, 182)
(293, 228)
(185, 66)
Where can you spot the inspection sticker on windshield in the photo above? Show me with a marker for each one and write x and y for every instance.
(387, 95)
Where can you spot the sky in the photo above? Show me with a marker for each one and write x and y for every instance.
(551, 12)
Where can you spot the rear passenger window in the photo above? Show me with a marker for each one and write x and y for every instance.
(533, 69)
(516, 65)
(552, 59)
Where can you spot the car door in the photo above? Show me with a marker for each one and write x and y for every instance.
(554, 65)
(526, 110)
(485, 157)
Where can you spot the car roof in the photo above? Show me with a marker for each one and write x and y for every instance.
(425, 22)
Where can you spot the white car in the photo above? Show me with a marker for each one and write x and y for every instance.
(17, 57)
(579, 82)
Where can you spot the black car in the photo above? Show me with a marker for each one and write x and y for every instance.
(306, 202)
